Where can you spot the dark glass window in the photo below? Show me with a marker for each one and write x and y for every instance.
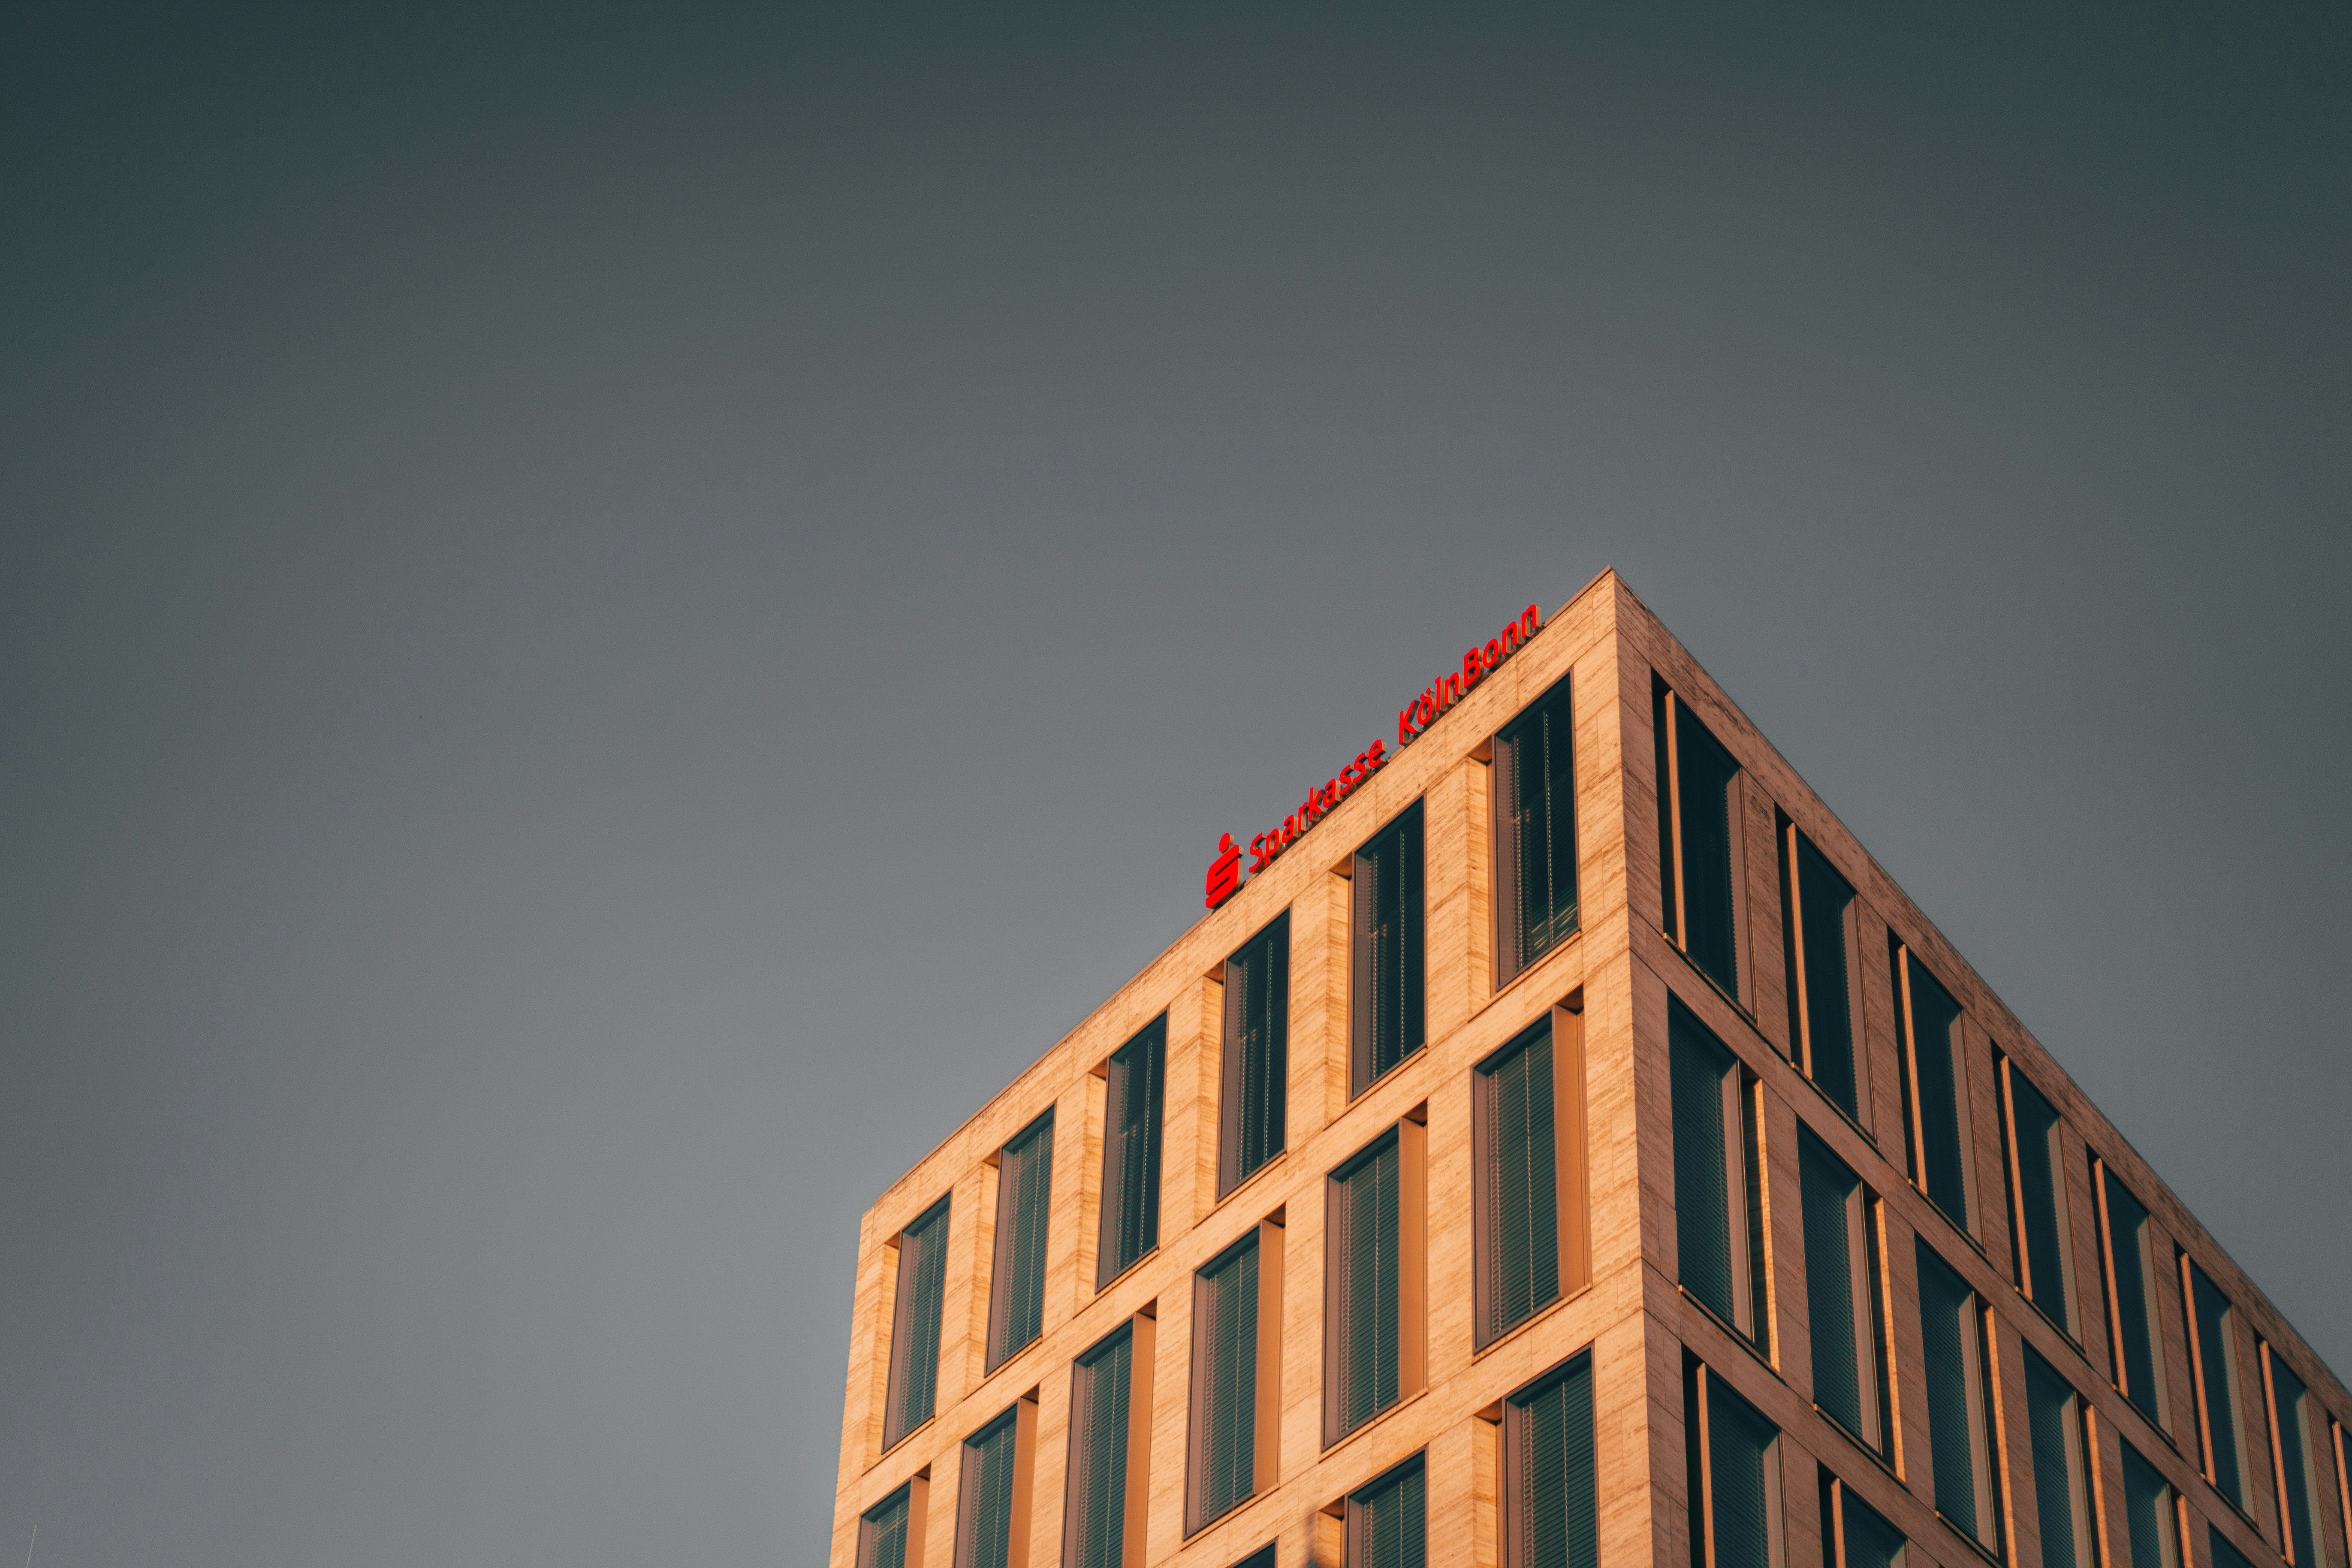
(1842, 1292)
(1225, 1383)
(1734, 1475)
(1256, 1081)
(1534, 837)
(1366, 1261)
(915, 1325)
(1515, 1170)
(1935, 1081)
(882, 1531)
(1699, 830)
(2298, 1469)
(1025, 1200)
(1960, 1427)
(2224, 1554)
(2213, 1342)
(2131, 1248)
(2062, 1484)
(1388, 1521)
(1854, 1534)
(1821, 917)
(2040, 1237)
(1388, 980)
(2151, 1514)
(1102, 1384)
(1262, 1557)
(985, 1502)
(1130, 1187)
(1718, 1215)
(1549, 1502)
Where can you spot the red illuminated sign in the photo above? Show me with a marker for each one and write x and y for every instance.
(1224, 873)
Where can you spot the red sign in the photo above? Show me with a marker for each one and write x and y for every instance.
(1224, 873)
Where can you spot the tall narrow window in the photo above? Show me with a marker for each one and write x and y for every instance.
(2128, 1248)
(2295, 1441)
(1718, 1210)
(1374, 1258)
(1131, 1183)
(2222, 1552)
(1734, 1455)
(1515, 1167)
(1257, 1055)
(1959, 1405)
(890, 1534)
(1701, 861)
(1025, 1199)
(2151, 1514)
(1389, 983)
(1388, 1521)
(2062, 1477)
(915, 1325)
(1823, 920)
(1854, 1534)
(1237, 1361)
(1534, 833)
(2213, 1347)
(1111, 1429)
(992, 1496)
(2041, 1233)
(1549, 1490)
(1844, 1293)
(1935, 1085)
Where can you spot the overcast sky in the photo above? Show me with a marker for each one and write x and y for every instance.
(608, 619)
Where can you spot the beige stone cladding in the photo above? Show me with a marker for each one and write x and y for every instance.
(1633, 1315)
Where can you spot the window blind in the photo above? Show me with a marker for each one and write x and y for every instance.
(2151, 1523)
(1705, 772)
(1256, 1072)
(2215, 1346)
(1025, 1201)
(1712, 1220)
(1516, 1171)
(1224, 1382)
(1535, 784)
(2045, 1263)
(1387, 1523)
(2131, 1243)
(1951, 1354)
(1743, 1477)
(985, 1530)
(1366, 1258)
(1130, 1189)
(2054, 1419)
(915, 1326)
(1821, 972)
(1550, 1512)
(1940, 1140)
(1389, 983)
(1097, 1528)
(2298, 1471)
(1840, 1305)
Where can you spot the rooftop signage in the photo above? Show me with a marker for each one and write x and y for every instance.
(1414, 720)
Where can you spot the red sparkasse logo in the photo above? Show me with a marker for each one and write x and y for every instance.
(1224, 878)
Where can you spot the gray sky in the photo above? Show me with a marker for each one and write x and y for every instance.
(608, 619)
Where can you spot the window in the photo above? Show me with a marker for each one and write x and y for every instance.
(1388, 979)
(890, 1534)
(1959, 1407)
(1854, 1534)
(1375, 1254)
(1111, 1443)
(1237, 1364)
(2213, 1348)
(2295, 1441)
(1701, 864)
(1131, 1179)
(1527, 1171)
(993, 1498)
(2127, 1245)
(1262, 1557)
(1549, 1490)
(1718, 1212)
(1734, 1455)
(1844, 1293)
(1388, 1521)
(2061, 1475)
(2151, 1514)
(1935, 1085)
(1535, 834)
(2221, 1552)
(1025, 1199)
(2040, 1233)
(915, 1325)
(1823, 921)
(1256, 1079)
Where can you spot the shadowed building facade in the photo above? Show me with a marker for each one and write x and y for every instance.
(1573, 1148)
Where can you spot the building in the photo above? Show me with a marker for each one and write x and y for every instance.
(1569, 1145)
